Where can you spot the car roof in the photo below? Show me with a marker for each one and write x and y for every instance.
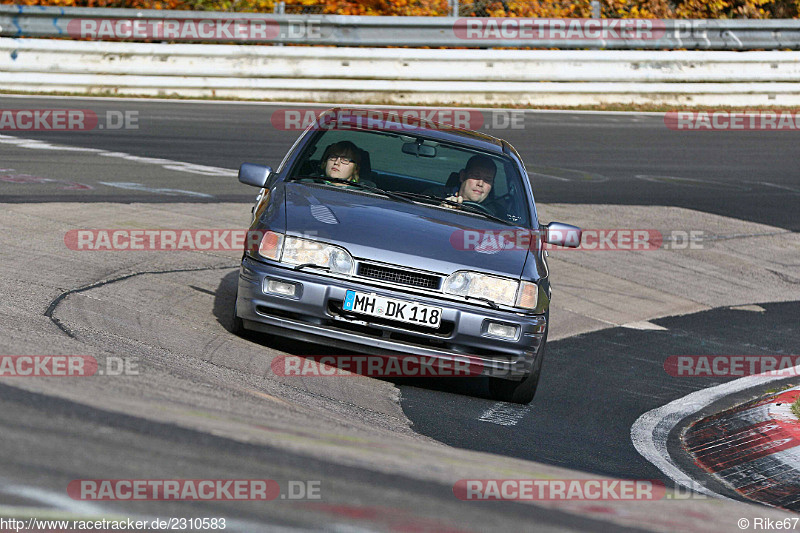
(356, 118)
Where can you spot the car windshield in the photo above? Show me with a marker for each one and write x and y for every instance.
(418, 168)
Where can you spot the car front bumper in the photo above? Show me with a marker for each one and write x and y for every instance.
(315, 314)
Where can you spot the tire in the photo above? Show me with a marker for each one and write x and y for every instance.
(522, 392)
(237, 324)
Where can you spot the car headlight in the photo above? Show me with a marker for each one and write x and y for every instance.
(475, 285)
(499, 290)
(304, 252)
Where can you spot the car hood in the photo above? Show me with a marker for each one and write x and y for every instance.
(377, 228)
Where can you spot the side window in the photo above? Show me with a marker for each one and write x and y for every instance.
(309, 162)
(514, 196)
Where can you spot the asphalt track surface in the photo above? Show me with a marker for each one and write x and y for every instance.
(629, 159)
(593, 388)
(152, 449)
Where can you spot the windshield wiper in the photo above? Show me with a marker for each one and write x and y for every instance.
(305, 265)
(487, 300)
(490, 216)
(356, 184)
(467, 207)
(420, 196)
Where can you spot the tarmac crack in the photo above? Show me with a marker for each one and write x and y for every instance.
(785, 277)
(49, 313)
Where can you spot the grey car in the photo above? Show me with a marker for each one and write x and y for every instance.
(337, 255)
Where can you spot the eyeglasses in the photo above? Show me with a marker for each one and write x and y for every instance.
(343, 160)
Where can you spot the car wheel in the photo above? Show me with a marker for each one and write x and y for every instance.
(237, 324)
(519, 391)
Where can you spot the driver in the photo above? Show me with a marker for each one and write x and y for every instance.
(476, 180)
(342, 160)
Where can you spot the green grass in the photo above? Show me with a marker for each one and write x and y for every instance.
(779, 389)
(796, 407)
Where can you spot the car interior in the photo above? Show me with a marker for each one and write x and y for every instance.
(428, 167)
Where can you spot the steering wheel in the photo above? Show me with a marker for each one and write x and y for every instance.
(479, 206)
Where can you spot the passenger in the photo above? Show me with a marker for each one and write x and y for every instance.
(476, 179)
(342, 160)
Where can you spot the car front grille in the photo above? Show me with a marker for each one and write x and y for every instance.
(399, 275)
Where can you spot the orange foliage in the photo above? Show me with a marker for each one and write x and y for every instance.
(755, 9)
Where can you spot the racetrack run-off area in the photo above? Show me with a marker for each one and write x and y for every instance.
(205, 404)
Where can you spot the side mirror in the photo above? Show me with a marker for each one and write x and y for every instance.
(562, 234)
(255, 175)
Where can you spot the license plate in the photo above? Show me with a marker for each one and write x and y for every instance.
(402, 311)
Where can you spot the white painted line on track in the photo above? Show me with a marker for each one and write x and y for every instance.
(751, 308)
(650, 431)
(692, 182)
(157, 190)
(504, 414)
(41, 145)
(565, 174)
(783, 187)
(168, 164)
(644, 325)
(91, 511)
(53, 499)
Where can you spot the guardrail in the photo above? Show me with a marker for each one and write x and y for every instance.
(340, 30)
(402, 76)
